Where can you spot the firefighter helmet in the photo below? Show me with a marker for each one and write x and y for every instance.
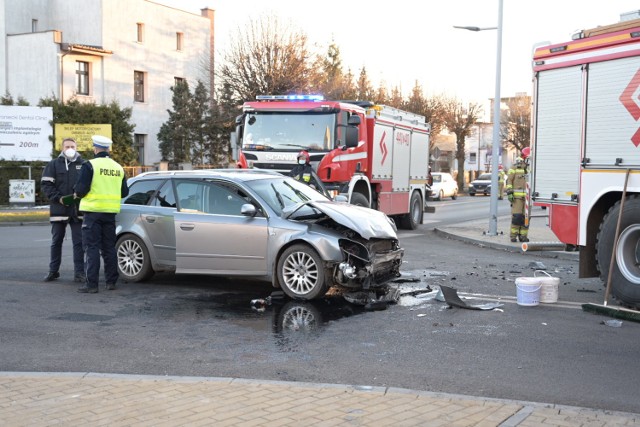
(526, 152)
(519, 161)
(304, 155)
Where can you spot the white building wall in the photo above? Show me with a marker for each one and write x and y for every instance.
(3, 45)
(156, 56)
(32, 70)
(39, 68)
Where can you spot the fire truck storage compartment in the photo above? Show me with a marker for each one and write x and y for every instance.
(558, 134)
(612, 99)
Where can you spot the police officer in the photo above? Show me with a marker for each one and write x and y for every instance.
(101, 185)
(517, 193)
(58, 179)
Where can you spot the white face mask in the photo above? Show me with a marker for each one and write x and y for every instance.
(301, 161)
(69, 153)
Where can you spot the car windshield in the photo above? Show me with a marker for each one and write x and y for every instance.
(289, 131)
(485, 177)
(279, 193)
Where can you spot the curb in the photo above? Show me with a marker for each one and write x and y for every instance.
(19, 224)
(569, 256)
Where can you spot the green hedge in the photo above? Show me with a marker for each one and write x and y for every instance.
(20, 170)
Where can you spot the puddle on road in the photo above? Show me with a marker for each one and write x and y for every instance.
(286, 319)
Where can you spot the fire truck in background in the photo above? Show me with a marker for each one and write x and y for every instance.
(376, 156)
(586, 150)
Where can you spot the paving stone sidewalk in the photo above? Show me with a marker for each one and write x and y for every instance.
(89, 399)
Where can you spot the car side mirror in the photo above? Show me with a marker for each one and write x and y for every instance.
(341, 198)
(248, 210)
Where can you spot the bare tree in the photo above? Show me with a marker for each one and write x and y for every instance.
(432, 108)
(268, 58)
(515, 127)
(459, 121)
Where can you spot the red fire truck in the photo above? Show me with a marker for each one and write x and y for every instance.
(586, 150)
(376, 156)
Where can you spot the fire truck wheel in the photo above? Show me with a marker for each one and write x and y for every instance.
(625, 280)
(359, 199)
(301, 273)
(411, 220)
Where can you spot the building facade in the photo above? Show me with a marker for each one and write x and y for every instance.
(129, 51)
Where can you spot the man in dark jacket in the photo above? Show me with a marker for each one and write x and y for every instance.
(57, 181)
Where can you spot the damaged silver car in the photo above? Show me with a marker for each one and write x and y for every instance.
(254, 224)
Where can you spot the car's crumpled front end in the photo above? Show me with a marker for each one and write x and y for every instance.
(371, 251)
(368, 263)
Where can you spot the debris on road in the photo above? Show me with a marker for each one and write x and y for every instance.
(537, 265)
(451, 297)
(371, 300)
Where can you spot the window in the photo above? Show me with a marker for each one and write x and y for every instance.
(82, 78)
(472, 157)
(165, 196)
(179, 40)
(138, 143)
(177, 80)
(141, 192)
(34, 25)
(140, 32)
(138, 86)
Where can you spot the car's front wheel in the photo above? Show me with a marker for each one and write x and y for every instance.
(134, 264)
(301, 273)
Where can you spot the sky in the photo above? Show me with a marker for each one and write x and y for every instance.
(404, 41)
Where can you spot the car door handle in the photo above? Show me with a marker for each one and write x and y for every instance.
(150, 219)
(187, 227)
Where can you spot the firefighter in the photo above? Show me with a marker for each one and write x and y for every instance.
(517, 193)
(303, 171)
(501, 176)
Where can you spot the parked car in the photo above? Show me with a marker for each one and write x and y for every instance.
(443, 186)
(254, 224)
(481, 185)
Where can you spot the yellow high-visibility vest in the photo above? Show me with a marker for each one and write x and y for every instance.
(106, 185)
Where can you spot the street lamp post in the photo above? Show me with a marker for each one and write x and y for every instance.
(495, 150)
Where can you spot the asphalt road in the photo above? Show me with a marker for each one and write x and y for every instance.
(204, 326)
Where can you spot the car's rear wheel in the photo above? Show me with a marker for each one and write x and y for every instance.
(455, 194)
(301, 273)
(134, 264)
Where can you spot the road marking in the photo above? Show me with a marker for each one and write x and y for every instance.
(406, 236)
(512, 299)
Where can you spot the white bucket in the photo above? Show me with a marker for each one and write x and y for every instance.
(528, 290)
(549, 290)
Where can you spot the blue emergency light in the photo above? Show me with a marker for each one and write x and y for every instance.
(290, 98)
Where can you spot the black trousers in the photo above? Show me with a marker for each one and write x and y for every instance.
(99, 236)
(58, 231)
